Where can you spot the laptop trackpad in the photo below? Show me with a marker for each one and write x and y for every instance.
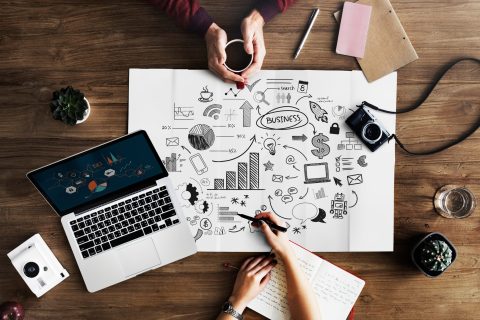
(138, 257)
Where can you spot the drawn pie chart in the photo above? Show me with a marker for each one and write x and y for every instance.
(201, 137)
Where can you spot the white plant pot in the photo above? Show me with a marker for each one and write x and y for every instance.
(86, 114)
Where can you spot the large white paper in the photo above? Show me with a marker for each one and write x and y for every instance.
(234, 151)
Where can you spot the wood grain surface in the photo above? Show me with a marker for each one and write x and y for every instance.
(91, 44)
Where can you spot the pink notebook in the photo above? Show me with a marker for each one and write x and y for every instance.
(352, 36)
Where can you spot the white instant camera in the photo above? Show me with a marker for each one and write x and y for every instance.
(37, 265)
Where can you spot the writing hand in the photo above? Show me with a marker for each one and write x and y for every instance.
(252, 277)
(277, 240)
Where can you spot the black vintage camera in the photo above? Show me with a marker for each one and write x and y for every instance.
(367, 128)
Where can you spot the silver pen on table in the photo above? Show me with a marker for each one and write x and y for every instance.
(310, 23)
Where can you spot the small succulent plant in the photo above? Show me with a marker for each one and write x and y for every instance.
(435, 255)
(68, 105)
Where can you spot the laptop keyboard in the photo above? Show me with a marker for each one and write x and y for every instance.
(125, 221)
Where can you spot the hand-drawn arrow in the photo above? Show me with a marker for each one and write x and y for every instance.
(285, 146)
(338, 182)
(186, 149)
(289, 177)
(270, 200)
(252, 139)
(247, 113)
(356, 200)
(299, 138)
(307, 96)
(241, 229)
(314, 131)
(305, 194)
(258, 110)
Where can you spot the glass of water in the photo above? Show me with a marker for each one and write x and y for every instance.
(452, 201)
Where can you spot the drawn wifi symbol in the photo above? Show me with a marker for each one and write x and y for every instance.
(212, 111)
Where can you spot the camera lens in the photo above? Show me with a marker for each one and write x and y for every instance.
(31, 269)
(372, 132)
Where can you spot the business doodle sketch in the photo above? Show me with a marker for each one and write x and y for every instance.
(279, 145)
(319, 112)
(362, 161)
(183, 113)
(201, 137)
(213, 111)
(205, 95)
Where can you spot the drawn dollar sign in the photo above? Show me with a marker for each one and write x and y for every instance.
(323, 149)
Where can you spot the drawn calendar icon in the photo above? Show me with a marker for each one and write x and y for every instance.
(302, 86)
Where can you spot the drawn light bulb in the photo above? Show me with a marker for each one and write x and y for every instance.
(270, 145)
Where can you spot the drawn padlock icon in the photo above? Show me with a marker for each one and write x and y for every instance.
(334, 129)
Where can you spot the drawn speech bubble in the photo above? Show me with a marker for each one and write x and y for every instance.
(282, 118)
(304, 211)
(287, 199)
(292, 190)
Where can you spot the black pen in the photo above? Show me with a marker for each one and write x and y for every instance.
(268, 222)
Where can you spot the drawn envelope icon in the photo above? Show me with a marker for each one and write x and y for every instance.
(354, 179)
(173, 142)
(277, 178)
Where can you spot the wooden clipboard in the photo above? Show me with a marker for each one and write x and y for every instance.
(388, 47)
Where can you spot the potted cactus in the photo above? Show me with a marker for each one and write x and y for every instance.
(70, 106)
(433, 254)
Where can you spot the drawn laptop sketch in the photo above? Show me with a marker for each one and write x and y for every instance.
(118, 209)
(316, 172)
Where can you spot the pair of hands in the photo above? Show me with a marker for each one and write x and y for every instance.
(252, 32)
(254, 274)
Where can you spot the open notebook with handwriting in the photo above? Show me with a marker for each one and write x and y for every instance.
(336, 289)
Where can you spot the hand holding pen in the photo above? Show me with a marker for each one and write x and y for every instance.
(278, 241)
(256, 222)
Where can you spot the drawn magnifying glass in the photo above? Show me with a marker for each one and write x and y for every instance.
(259, 96)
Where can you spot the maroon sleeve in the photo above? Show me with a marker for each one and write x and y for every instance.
(270, 8)
(187, 13)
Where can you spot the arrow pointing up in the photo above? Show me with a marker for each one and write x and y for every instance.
(247, 113)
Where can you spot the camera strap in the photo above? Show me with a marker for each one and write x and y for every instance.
(418, 104)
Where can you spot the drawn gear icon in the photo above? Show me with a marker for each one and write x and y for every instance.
(202, 206)
(193, 193)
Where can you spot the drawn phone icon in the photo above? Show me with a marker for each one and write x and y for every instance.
(198, 164)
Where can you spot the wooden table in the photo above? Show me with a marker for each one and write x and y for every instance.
(91, 44)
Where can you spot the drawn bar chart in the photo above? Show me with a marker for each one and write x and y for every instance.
(254, 170)
(171, 163)
(225, 215)
(230, 179)
(238, 180)
(218, 184)
(242, 175)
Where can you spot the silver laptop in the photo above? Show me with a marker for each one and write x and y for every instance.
(118, 209)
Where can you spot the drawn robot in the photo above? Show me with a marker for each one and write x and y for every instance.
(338, 206)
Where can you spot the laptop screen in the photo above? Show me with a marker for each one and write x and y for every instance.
(99, 173)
